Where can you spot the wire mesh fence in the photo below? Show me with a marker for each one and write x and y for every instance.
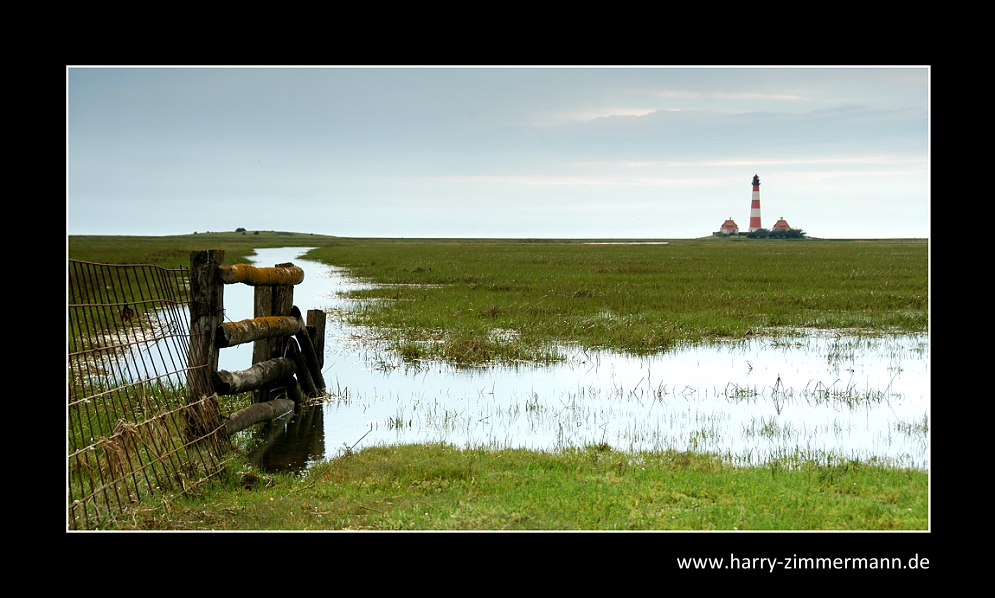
(128, 416)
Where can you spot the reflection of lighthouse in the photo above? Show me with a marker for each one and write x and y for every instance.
(755, 206)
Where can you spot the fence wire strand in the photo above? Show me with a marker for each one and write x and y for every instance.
(128, 415)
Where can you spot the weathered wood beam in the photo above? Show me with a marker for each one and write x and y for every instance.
(310, 359)
(303, 375)
(246, 331)
(283, 302)
(307, 350)
(316, 330)
(293, 389)
(206, 313)
(230, 383)
(262, 306)
(281, 275)
(284, 388)
(255, 413)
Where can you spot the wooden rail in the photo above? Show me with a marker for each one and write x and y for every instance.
(287, 354)
(284, 274)
(247, 331)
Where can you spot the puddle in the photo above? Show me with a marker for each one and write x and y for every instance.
(821, 395)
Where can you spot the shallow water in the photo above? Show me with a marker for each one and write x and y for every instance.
(820, 394)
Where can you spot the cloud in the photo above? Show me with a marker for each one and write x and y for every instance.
(722, 95)
(818, 175)
(591, 114)
(919, 162)
(559, 180)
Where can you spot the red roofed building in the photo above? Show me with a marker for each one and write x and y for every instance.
(729, 227)
(781, 225)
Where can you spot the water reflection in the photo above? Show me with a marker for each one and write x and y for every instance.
(818, 395)
(291, 444)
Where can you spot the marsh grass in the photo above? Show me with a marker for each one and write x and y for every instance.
(442, 299)
(633, 298)
(914, 429)
(837, 394)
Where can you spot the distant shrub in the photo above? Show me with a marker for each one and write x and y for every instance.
(760, 233)
(240, 230)
(794, 233)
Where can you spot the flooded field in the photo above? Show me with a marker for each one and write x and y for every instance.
(814, 394)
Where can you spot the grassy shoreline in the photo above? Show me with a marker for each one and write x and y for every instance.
(438, 487)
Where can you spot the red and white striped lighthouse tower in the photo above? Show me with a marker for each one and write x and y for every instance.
(755, 206)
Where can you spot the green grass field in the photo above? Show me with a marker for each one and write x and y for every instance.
(174, 251)
(438, 487)
(472, 302)
(480, 301)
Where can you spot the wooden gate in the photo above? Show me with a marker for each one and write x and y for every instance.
(287, 354)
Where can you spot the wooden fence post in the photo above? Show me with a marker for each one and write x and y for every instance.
(283, 303)
(262, 349)
(206, 314)
(272, 301)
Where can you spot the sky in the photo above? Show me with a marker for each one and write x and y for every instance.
(497, 152)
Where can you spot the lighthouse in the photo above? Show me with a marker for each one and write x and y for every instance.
(755, 206)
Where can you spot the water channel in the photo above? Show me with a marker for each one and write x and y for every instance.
(819, 394)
